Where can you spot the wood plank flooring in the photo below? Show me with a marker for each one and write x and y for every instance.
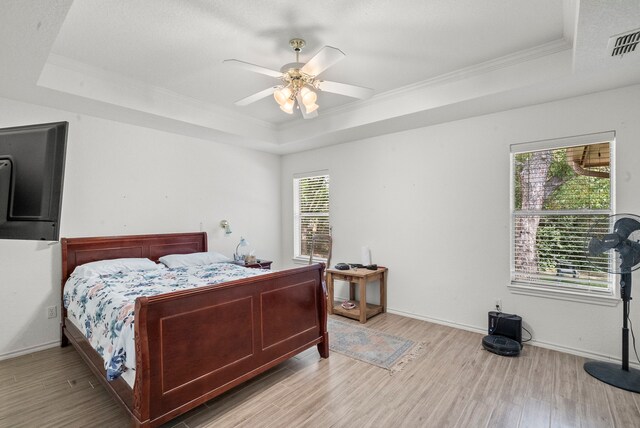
(453, 383)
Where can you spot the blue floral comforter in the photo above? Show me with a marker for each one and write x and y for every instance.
(104, 305)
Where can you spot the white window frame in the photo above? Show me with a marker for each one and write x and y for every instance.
(609, 296)
(297, 241)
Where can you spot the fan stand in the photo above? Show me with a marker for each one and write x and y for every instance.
(620, 377)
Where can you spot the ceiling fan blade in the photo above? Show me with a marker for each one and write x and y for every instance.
(255, 97)
(253, 67)
(322, 60)
(344, 89)
(303, 109)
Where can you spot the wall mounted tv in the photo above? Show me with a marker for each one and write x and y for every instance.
(31, 178)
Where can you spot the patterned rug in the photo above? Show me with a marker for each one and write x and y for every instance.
(371, 346)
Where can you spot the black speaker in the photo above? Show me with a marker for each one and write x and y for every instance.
(507, 325)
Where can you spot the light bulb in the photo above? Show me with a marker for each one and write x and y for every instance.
(287, 107)
(309, 97)
(282, 95)
(311, 108)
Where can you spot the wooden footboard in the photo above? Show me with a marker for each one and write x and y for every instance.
(192, 345)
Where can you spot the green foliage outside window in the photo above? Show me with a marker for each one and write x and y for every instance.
(559, 237)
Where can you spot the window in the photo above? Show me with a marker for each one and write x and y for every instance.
(559, 190)
(311, 215)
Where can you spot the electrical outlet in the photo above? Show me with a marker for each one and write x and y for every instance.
(498, 305)
(52, 312)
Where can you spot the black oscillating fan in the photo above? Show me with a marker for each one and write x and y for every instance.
(625, 240)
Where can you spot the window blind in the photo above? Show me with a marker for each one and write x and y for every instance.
(560, 195)
(311, 215)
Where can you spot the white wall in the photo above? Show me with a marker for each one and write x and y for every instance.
(123, 179)
(433, 206)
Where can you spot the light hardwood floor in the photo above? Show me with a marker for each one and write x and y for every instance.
(453, 383)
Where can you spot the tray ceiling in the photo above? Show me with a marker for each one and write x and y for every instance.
(159, 62)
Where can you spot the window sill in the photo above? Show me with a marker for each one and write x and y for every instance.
(565, 294)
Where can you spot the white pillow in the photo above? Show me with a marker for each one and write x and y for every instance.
(193, 259)
(105, 267)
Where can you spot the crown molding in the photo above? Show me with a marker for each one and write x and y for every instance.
(475, 70)
(122, 81)
(163, 102)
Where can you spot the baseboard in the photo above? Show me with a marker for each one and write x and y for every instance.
(29, 350)
(541, 344)
(460, 326)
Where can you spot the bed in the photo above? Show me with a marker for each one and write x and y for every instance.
(181, 360)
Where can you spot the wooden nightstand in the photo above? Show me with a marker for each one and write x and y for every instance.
(259, 264)
(360, 277)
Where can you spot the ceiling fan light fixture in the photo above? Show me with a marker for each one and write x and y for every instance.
(282, 95)
(287, 107)
(309, 97)
(299, 84)
(311, 108)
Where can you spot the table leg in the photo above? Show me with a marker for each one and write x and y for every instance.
(383, 291)
(363, 300)
(330, 292)
(352, 290)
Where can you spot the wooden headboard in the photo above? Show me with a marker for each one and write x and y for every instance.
(77, 251)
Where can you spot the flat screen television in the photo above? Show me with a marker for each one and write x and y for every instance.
(31, 178)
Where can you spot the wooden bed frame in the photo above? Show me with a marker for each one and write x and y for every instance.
(193, 345)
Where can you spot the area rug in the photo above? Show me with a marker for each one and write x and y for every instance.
(371, 346)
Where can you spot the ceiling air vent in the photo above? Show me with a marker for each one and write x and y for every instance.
(624, 43)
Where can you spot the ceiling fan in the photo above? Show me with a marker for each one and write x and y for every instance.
(300, 81)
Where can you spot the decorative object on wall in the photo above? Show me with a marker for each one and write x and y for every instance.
(226, 226)
(300, 83)
(241, 250)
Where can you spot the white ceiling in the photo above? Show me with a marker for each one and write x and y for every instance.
(158, 63)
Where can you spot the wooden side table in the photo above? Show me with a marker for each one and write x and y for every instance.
(360, 277)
